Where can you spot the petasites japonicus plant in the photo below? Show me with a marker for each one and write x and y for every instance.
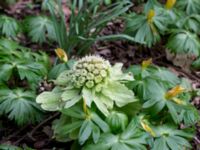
(92, 80)
(99, 111)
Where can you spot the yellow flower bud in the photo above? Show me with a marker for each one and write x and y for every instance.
(146, 63)
(174, 92)
(169, 4)
(147, 128)
(150, 15)
(61, 54)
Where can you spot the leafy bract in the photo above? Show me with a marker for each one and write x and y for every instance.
(20, 106)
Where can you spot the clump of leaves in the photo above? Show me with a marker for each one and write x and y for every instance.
(176, 20)
(86, 22)
(131, 138)
(21, 70)
(9, 27)
(21, 64)
(99, 111)
(146, 28)
(161, 90)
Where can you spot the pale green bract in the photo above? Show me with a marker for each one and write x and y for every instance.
(93, 80)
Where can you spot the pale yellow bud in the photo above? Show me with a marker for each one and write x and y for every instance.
(150, 15)
(174, 92)
(146, 63)
(169, 4)
(61, 54)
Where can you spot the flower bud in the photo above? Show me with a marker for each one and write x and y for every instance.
(89, 84)
(146, 63)
(90, 67)
(98, 88)
(61, 54)
(81, 80)
(84, 72)
(90, 76)
(150, 15)
(170, 3)
(174, 92)
(96, 71)
(98, 79)
(103, 73)
(117, 122)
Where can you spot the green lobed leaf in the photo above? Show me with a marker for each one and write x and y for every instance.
(20, 106)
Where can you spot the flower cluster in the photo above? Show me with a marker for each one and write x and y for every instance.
(90, 71)
(91, 80)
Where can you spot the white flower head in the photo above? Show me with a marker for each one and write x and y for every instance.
(90, 71)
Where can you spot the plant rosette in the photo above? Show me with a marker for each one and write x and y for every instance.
(91, 80)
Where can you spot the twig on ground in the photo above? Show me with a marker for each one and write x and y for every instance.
(30, 135)
(41, 124)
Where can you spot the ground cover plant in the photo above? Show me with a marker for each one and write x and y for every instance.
(20, 71)
(99, 74)
(177, 20)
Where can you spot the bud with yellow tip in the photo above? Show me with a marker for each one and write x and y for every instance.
(146, 63)
(174, 92)
(169, 4)
(147, 128)
(150, 15)
(61, 54)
